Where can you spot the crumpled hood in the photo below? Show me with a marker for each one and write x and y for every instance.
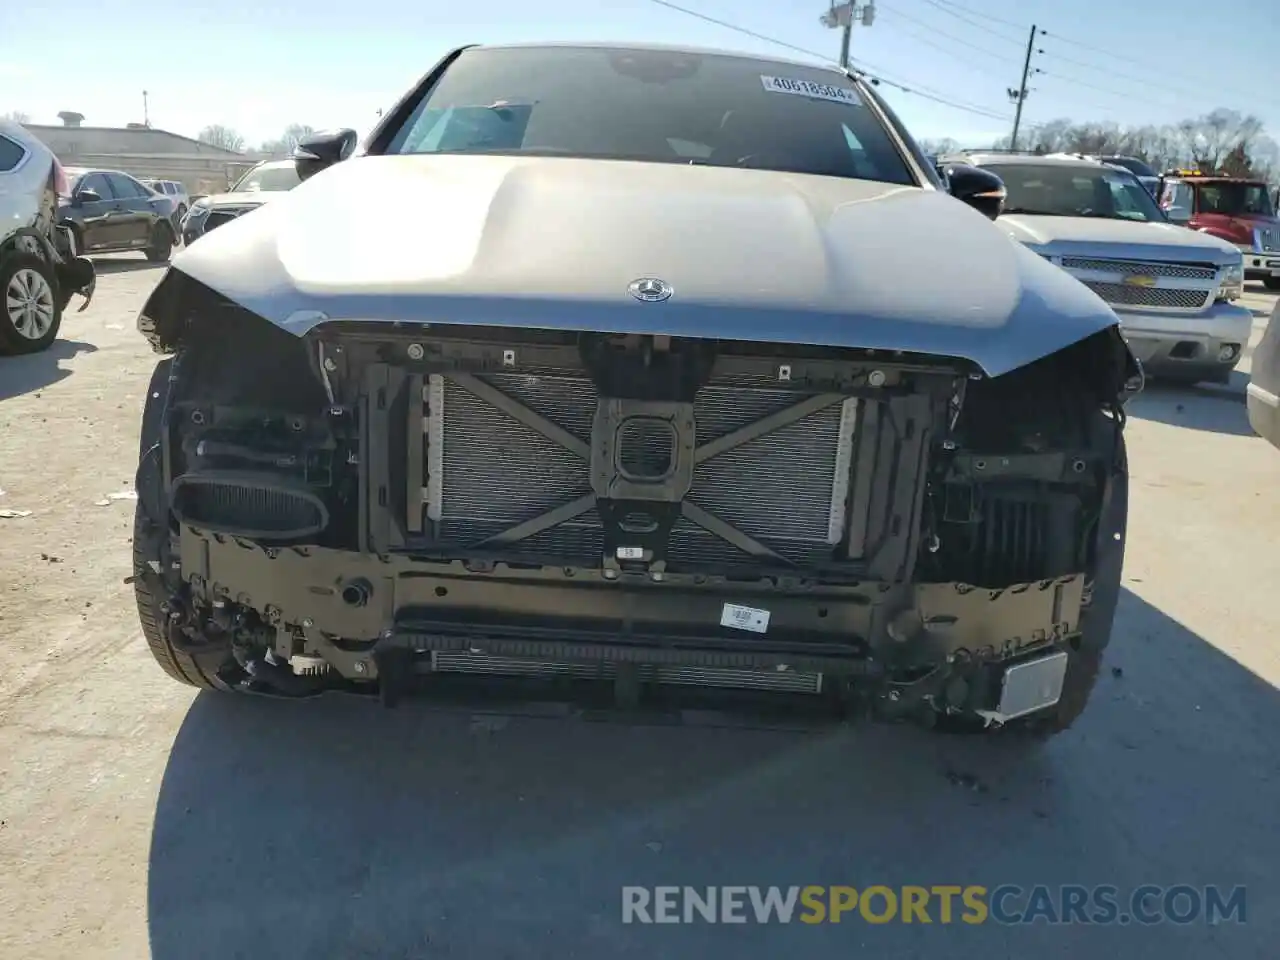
(556, 242)
(1101, 237)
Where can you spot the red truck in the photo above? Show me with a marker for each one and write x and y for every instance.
(1239, 210)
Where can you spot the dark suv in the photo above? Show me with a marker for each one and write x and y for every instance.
(110, 212)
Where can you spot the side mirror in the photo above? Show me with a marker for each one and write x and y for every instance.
(980, 189)
(322, 150)
(1179, 215)
(86, 196)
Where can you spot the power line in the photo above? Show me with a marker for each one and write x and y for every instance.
(944, 4)
(873, 73)
(951, 7)
(951, 37)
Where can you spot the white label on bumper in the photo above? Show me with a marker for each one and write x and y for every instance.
(744, 618)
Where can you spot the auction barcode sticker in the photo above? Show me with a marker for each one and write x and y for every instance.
(744, 618)
(808, 88)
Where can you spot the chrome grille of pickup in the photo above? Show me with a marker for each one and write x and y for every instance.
(495, 472)
(1268, 239)
(1121, 294)
(1185, 271)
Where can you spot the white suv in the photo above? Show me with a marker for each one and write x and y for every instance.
(174, 191)
(39, 269)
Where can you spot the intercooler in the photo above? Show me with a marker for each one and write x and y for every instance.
(789, 681)
(487, 471)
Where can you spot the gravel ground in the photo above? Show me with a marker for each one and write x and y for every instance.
(140, 820)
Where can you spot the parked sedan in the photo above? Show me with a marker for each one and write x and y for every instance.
(267, 180)
(109, 211)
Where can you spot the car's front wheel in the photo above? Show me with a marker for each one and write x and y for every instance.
(1084, 660)
(30, 308)
(197, 664)
(161, 245)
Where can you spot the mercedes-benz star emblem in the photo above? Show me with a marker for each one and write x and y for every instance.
(650, 289)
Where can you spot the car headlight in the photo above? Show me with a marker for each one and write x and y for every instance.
(198, 211)
(1231, 286)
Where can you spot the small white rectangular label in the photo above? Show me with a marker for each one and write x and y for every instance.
(630, 553)
(744, 618)
(808, 88)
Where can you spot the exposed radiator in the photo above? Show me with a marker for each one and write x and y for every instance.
(488, 472)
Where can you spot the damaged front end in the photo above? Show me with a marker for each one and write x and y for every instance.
(56, 246)
(380, 507)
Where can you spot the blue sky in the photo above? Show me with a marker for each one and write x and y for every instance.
(259, 67)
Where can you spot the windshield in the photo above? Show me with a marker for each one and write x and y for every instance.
(1132, 164)
(1075, 191)
(655, 106)
(268, 179)
(1236, 199)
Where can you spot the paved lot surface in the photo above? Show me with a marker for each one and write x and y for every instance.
(140, 820)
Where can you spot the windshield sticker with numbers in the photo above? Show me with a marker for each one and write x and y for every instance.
(808, 88)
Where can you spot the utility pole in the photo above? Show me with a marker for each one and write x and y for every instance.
(146, 116)
(1019, 96)
(843, 16)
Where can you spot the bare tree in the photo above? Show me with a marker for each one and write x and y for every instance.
(1210, 138)
(939, 148)
(287, 141)
(1221, 140)
(222, 137)
(17, 116)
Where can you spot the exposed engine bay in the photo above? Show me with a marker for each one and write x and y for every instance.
(376, 506)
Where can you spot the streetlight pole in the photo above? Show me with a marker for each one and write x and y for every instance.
(843, 15)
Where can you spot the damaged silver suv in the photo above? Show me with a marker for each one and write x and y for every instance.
(637, 392)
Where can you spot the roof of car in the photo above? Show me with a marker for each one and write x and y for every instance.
(981, 157)
(664, 48)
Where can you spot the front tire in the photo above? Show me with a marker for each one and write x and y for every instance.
(1084, 660)
(196, 668)
(161, 243)
(30, 307)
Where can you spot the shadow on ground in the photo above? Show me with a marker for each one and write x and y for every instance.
(334, 829)
(1213, 408)
(35, 371)
(120, 265)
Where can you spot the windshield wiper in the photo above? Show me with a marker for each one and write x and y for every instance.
(1036, 213)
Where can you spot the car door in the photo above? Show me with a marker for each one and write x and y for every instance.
(139, 209)
(98, 228)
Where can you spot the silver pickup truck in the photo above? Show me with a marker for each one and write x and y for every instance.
(1173, 289)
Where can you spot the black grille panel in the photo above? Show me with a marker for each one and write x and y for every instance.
(217, 218)
(498, 472)
(247, 505)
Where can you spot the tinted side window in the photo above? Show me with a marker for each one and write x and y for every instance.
(11, 154)
(97, 182)
(125, 188)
